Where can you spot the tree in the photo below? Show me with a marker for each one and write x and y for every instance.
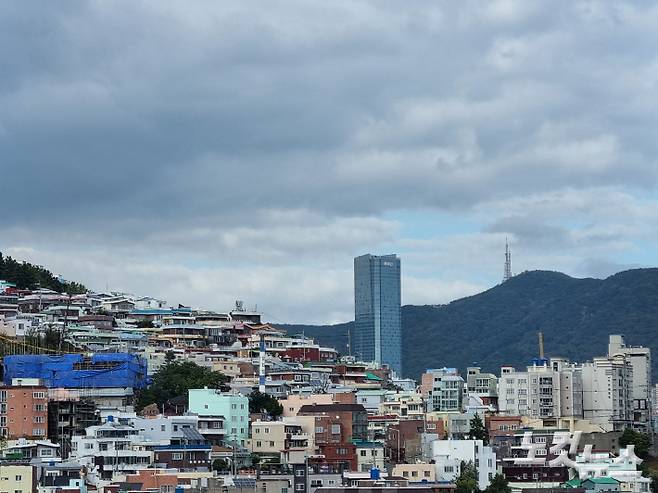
(467, 481)
(478, 430)
(259, 402)
(641, 441)
(175, 378)
(498, 484)
(220, 465)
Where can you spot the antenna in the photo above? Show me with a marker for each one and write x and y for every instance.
(507, 274)
(541, 344)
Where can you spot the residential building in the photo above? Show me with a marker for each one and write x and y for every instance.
(112, 447)
(211, 406)
(18, 478)
(448, 456)
(377, 310)
(24, 409)
(608, 392)
(444, 389)
(483, 385)
(369, 455)
(416, 472)
(642, 395)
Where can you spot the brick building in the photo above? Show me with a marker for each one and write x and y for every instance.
(24, 409)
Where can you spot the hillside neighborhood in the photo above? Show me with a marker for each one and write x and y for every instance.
(112, 392)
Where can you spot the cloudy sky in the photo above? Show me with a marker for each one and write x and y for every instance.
(210, 151)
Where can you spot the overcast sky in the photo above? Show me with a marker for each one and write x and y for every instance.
(204, 152)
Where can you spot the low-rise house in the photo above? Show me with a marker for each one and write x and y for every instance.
(112, 447)
(449, 455)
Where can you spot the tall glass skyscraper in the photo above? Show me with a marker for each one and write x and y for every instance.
(377, 317)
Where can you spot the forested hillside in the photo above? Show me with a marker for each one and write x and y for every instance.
(29, 276)
(500, 325)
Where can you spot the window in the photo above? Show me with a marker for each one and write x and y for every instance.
(414, 474)
(271, 444)
(363, 453)
(426, 474)
(259, 444)
(216, 425)
(449, 469)
(177, 456)
(299, 487)
(38, 395)
(39, 407)
(38, 419)
(335, 429)
(19, 477)
(163, 427)
(319, 429)
(299, 472)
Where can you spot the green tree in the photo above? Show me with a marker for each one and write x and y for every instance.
(220, 465)
(478, 430)
(175, 378)
(467, 481)
(498, 484)
(259, 402)
(641, 441)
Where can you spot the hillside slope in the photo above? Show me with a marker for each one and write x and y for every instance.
(29, 276)
(500, 325)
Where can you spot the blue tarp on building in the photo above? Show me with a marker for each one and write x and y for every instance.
(101, 370)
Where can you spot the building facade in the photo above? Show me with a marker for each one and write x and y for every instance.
(377, 300)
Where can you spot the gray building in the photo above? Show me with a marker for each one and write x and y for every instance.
(377, 316)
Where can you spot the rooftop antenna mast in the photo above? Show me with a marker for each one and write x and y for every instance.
(508, 262)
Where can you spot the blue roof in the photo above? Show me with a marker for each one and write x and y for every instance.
(152, 312)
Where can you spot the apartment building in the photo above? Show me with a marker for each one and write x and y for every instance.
(214, 407)
(548, 388)
(640, 359)
(444, 389)
(449, 455)
(24, 409)
(113, 447)
(483, 385)
(607, 392)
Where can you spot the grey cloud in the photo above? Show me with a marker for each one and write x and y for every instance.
(270, 132)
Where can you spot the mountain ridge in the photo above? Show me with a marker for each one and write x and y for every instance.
(576, 316)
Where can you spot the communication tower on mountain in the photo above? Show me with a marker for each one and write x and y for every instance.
(507, 274)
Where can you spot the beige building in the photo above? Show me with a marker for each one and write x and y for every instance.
(408, 405)
(416, 472)
(293, 403)
(17, 478)
(281, 438)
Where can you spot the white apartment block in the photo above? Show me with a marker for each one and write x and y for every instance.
(546, 389)
(448, 456)
(607, 392)
(640, 359)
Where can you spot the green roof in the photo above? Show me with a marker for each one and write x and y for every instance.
(370, 376)
(606, 480)
(572, 483)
